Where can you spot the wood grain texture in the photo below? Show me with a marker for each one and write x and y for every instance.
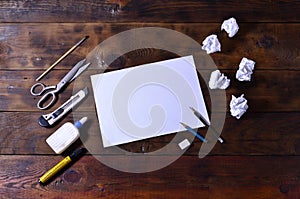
(252, 135)
(37, 46)
(266, 92)
(261, 154)
(211, 177)
(148, 11)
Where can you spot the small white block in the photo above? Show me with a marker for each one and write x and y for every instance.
(185, 143)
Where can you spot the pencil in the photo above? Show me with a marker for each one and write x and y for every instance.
(193, 132)
(205, 122)
(62, 57)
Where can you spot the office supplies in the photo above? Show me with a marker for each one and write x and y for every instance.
(185, 143)
(49, 119)
(66, 135)
(147, 101)
(62, 57)
(51, 95)
(206, 123)
(61, 165)
(193, 131)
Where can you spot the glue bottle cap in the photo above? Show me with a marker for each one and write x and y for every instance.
(79, 123)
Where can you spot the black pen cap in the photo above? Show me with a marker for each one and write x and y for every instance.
(78, 153)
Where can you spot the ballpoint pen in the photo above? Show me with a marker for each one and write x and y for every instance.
(205, 122)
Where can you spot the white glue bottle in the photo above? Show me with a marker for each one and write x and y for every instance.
(66, 135)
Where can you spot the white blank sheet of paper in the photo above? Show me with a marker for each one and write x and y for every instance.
(148, 100)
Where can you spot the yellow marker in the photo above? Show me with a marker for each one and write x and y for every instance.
(62, 164)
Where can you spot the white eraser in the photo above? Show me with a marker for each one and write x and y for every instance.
(63, 137)
(185, 143)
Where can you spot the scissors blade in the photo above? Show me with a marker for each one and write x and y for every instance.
(69, 75)
(80, 70)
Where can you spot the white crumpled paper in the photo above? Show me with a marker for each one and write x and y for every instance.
(230, 26)
(245, 70)
(238, 106)
(218, 80)
(211, 44)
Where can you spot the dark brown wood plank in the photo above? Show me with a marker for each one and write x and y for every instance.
(188, 177)
(148, 11)
(37, 46)
(267, 92)
(251, 135)
(260, 156)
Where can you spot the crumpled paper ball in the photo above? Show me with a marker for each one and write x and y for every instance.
(230, 26)
(238, 106)
(211, 44)
(218, 80)
(245, 70)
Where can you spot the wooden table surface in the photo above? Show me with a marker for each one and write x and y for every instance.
(260, 158)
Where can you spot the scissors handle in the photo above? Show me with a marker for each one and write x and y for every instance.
(40, 88)
(50, 96)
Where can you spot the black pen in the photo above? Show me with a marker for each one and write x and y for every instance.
(205, 122)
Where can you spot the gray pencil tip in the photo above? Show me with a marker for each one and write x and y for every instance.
(183, 124)
(192, 109)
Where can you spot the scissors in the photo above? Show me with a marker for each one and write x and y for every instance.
(51, 95)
